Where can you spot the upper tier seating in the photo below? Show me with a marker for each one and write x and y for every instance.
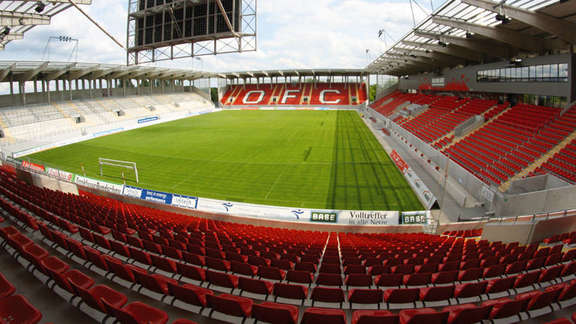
(318, 94)
(512, 141)
(563, 162)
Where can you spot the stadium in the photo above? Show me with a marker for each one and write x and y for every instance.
(432, 183)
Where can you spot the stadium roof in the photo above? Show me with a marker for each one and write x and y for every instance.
(28, 71)
(22, 15)
(463, 32)
(293, 73)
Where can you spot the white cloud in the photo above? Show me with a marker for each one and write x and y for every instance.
(292, 34)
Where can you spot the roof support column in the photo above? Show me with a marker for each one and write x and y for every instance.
(572, 75)
(48, 92)
(22, 88)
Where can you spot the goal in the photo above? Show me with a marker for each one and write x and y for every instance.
(110, 167)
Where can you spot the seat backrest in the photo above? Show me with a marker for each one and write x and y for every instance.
(120, 314)
(290, 291)
(329, 295)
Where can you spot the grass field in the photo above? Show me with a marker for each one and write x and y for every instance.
(313, 159)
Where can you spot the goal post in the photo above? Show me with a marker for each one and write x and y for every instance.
(119, 164)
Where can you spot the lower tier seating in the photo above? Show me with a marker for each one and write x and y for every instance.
(240, 271)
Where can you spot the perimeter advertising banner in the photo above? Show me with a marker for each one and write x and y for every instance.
(161, 197)
(426, 196)
(33, 166)
(99, 184)
(60, 175)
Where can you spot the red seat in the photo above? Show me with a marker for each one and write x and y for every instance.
(327, 295)
(358, 280)
(140, 256)
(164, 263)
(494, 271)
(154, 282)
(230, 305)
(515, 267)
(426, 268)
(65, 280)
(290, 291)
(500, 285)
(526, 279)
(401, 295)
(466, 313)
(354, 268)
(538, 299)
(189, 294)
(6, 288)
(503, 307)
(330, 268)
(19, 241)
(364, 296)
(93, 297)
(307, 266)
(183, 321)
(243, 268)
(470, 289)
(221, 279)
(402, 268)
(390, 280)
(374, 317)
(550, 273)
(96, 258)
(123, 271)
(470, 274)
(314, 315)
(304, 277)
(271, 273)
(52, 264)
(417, 279)
(329, 279)
(568, 290)
(255, 286)
(436, 293)
(17, 309)
(217, 264)
(191, 271)
(269, 312)
(422, 316)
(444, 277)
(136, 313)
(120, 248)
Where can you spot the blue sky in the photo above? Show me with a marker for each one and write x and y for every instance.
(292, 34)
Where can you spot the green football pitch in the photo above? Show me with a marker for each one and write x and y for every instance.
(311, 159)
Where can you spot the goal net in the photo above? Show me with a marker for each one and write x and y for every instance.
(125, 170)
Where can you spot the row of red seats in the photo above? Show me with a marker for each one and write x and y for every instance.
(464, 233)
